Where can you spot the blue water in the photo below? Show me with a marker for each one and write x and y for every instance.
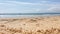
(12, 15)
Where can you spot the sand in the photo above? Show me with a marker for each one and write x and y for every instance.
(33, 25)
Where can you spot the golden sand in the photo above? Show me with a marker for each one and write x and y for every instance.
(34, 25)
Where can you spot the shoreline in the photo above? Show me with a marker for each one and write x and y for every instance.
(30, 16)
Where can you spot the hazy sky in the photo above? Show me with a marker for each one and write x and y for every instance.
(29, 6)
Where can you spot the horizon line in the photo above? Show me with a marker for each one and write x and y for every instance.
(26, 13)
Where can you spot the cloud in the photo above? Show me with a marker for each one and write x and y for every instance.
(15, 2)
(28, 7)
(54, 9)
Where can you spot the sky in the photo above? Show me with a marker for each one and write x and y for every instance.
(29, 6)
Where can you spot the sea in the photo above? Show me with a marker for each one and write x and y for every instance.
(18, 15)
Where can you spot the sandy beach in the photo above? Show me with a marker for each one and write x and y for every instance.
(33, 25)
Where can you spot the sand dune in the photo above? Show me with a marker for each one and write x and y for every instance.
(34, 25)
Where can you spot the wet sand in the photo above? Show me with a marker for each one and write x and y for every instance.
(33, 25)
